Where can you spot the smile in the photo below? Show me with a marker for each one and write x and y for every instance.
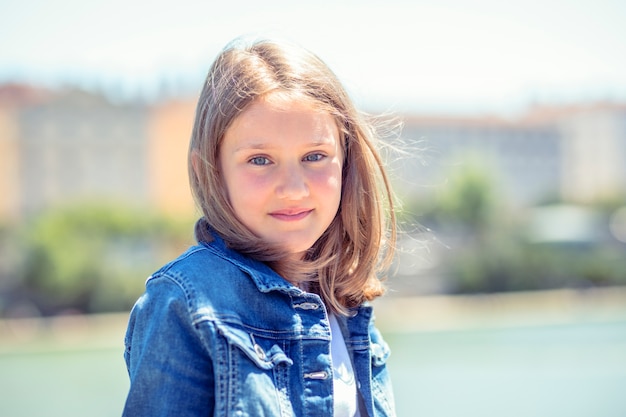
(291, 214)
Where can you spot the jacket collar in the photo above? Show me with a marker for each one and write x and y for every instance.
(264, 277)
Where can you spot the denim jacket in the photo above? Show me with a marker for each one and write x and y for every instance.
(219, 334)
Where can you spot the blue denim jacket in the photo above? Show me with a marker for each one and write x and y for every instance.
(219, 334)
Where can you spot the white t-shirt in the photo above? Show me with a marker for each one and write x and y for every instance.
(344, 383)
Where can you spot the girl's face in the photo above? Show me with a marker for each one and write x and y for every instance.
(282, 164)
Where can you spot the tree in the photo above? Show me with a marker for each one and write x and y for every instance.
(94, 257)
(469, 200)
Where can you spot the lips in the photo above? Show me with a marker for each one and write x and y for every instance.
(291, 214)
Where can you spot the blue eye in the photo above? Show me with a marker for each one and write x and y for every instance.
(313, 157)
(259, 160)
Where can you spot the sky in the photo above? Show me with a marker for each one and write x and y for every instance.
(437, 56)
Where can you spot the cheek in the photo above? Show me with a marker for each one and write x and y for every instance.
(328, 182)
(246, 188)
(252, 181)
(334, 179)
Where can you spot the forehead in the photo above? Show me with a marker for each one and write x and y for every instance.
(283, 100)
(277, 114)
(286, 100)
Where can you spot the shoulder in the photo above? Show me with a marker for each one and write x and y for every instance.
(196, 282)
(199, 271)
(196, 260)
(211, 281)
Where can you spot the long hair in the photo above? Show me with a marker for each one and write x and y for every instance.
(344, 264)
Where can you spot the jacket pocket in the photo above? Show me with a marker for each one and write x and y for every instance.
(252, 373)
(264, 353)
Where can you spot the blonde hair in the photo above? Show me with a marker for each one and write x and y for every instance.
(343, 266)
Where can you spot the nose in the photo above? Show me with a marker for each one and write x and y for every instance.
(292, 183)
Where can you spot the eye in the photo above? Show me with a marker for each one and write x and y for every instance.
(259, 160)
(314, 157)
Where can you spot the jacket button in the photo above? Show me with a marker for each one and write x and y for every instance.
(259, 351)
(317, 375)
(307, 306)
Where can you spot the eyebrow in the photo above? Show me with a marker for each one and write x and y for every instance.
(251, 146)
(263, 146)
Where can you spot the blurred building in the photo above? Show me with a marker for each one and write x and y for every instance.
(58, 146)
(574, 153)
(525, 158)
(594, 152)
(169, 130)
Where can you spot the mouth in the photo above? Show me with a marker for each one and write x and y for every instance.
(291, 214)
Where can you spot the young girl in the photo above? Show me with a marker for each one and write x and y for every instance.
(268, 315)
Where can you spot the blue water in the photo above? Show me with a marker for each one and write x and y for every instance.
(573, 370)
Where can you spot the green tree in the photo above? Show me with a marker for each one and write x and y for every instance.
(95, 257)
(468, 201)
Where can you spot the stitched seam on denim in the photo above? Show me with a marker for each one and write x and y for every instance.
(233, 366)
(358, 342)
(222, 379)
(380, 396)
(180, 280)
(231, 321)
(281, 382)
(302, 360)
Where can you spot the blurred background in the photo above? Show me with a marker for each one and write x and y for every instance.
(509, 291)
